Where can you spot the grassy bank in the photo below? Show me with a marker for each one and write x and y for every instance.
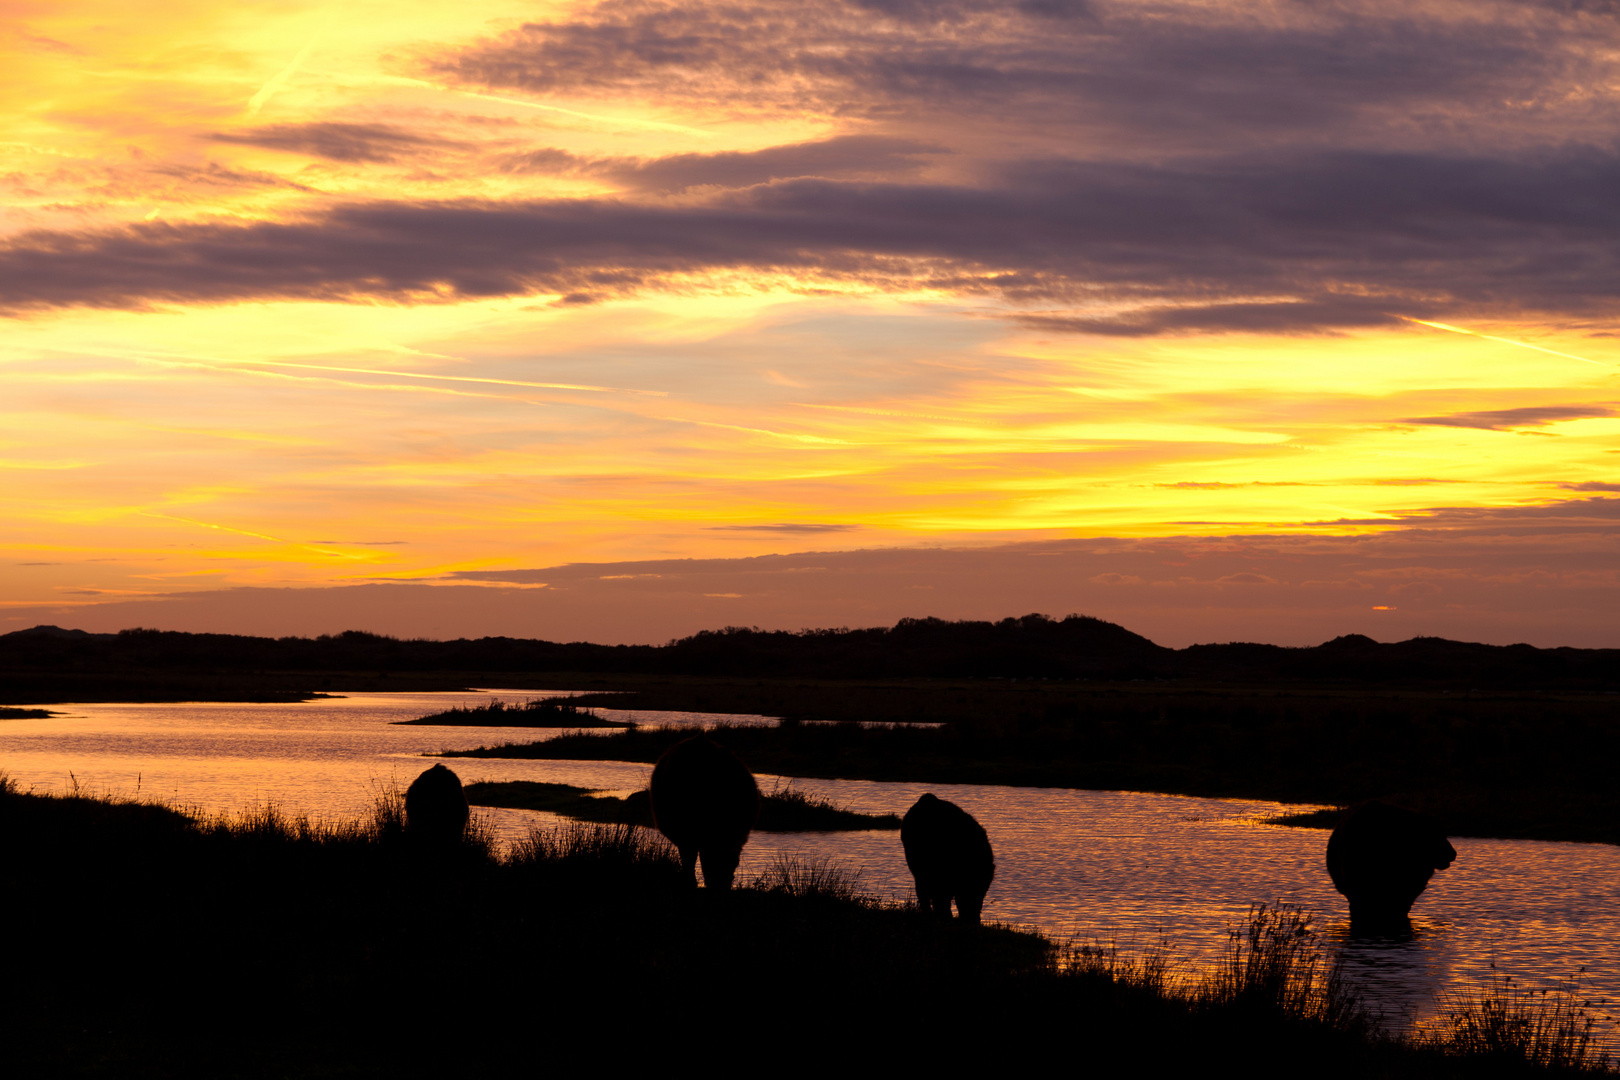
(164, 945)
(1523, 769)
(550, 712)
(784, 809)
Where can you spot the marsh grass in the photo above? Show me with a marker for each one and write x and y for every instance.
(1551, 1029)
(1150, 971)
(1275, 960)
(1275, 964)
(547, 712)
(785, 808)
(623, 846)
(812, 878)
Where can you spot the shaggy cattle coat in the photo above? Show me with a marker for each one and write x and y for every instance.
(706, 802)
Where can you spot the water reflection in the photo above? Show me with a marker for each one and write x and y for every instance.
(1404, 975)
(1116, 867)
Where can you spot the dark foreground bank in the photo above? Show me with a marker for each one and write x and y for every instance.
(158, 945)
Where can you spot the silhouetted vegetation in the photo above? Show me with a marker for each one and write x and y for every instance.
(549, 712)
(25, 714)
(1506, 741)
(785, 809)
(50, 664)
(1516, 1026)
(1520, 767)
(263, 945)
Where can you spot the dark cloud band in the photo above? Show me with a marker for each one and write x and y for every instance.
(1336, 239)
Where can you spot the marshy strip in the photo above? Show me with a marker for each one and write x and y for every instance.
(547, 712)
(1536, 769)
(272, 946)
(785, 809)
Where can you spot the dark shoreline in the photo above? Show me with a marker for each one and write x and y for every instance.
(261, 946)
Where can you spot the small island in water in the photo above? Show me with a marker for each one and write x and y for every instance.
(548, 712)
(785, 809)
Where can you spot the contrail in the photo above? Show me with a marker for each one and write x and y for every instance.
(268, 90)
(756, 431)
(233, 369)
(879, 412)
(1503, 340)
(456, 378)
(245, 532)
(216, 364)
(623, 121)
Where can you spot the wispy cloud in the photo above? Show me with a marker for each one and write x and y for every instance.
(338, 141)
(1508, 419)
(785, 527)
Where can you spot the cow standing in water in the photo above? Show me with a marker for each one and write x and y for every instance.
(706, 802)
(950, 857)
(1381, 858)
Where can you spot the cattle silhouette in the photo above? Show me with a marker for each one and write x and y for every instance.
(1381, 858)
(949, 856)
(705, 801)
(436, 808)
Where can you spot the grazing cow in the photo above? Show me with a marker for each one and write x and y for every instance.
(949, 856)
(435, 808)
(1381, 858)
(706, 802)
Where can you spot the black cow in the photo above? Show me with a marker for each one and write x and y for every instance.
(436, 808)
(949, 856)
(706, 802)
(1381, 858)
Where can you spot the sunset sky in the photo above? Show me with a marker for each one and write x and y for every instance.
(616, 321)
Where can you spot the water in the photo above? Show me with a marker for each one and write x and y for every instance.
(1141, 870)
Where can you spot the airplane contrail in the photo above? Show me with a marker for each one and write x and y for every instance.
(227, 365)
(245, 532)
(1503, 340)
(879, 412)
(756, 431)
(268, 90)
(456, 378)
(622, 121)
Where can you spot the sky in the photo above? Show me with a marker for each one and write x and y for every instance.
(617, 321)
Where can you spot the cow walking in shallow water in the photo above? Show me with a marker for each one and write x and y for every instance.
(1381, 858)
(436, 808)
(950, 857)
(706, 802)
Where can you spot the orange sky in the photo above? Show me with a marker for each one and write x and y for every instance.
(332, 295)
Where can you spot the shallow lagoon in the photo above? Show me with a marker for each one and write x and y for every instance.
(1128, 867)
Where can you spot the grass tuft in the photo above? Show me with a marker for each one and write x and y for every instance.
(819, 877)
(1550, 1029)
